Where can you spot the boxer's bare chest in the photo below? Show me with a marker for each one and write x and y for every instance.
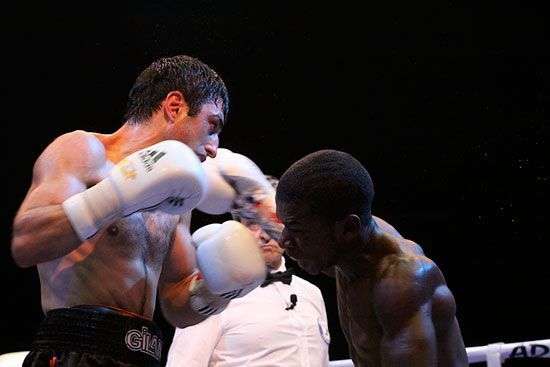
(140, 236)
(118, 267)
(357, 317)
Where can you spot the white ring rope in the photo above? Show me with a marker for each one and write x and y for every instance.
(494, 354)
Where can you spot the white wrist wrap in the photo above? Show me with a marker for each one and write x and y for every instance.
(90, 210)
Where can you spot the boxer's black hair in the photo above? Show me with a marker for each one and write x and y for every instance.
(198, 83)
(330, 183)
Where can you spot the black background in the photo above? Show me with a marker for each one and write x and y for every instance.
(444, 104)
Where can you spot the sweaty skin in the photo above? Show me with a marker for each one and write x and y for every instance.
(121, 265)
(394, 305)
(129, 260)
(401, 303)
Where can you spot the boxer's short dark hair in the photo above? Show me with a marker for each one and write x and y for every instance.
(198, 83)
(330, 183)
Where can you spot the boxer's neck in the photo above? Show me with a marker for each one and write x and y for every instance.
(133, 137)
(366, 252)
(358, 256)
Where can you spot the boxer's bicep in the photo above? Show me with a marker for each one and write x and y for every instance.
(403, 305)
(41, 229)
(66, 167)
(180, 261)
(410, 340)
(51, 191)
(177, 272)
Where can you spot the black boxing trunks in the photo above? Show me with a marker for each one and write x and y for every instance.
(95, 336)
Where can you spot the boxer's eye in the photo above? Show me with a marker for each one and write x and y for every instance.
(212, 128)
(214, 125)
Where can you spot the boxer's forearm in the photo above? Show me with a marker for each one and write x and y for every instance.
(411, 343)
(175, 305)
(42, 234)
(421, 353)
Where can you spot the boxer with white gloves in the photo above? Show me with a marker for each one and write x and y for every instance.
(106, 221)
(237, 185)
(230, 264)
(167, 176)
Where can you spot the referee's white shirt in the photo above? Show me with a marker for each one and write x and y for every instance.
(256, 330)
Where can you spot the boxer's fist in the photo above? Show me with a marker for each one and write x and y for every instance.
(230, 263)
(237, 185)
(241, 172)
(220, 195)
(202, 300)
(166, 176)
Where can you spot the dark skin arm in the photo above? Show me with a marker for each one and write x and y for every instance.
(402, 300)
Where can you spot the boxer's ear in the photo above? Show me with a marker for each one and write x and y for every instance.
(347, 229)
(174, 105)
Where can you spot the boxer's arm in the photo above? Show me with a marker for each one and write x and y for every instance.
(412, 343)
(41, 229)
(178, 270)
(403, 306)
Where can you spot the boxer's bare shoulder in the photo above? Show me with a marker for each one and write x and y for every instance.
(411, 247)
(404, 283)
(386, 227)
(78, 153)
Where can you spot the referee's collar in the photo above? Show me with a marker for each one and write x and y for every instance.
(281, 267)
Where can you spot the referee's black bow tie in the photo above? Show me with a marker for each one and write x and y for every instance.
(279, 276)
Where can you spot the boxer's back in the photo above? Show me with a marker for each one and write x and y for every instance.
(402, 285)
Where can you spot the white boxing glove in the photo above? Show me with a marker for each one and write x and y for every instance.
(202, 300)
(237, 185)
(167, 176)
(230, 263)
(219, 195)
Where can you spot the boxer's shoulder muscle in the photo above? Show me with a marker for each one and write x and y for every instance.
(386, 227)
(405, 277)
(77, 152)
(406, 266)
(411, 247)
(412, 281)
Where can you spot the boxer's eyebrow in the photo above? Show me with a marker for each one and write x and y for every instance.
(220, 121)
